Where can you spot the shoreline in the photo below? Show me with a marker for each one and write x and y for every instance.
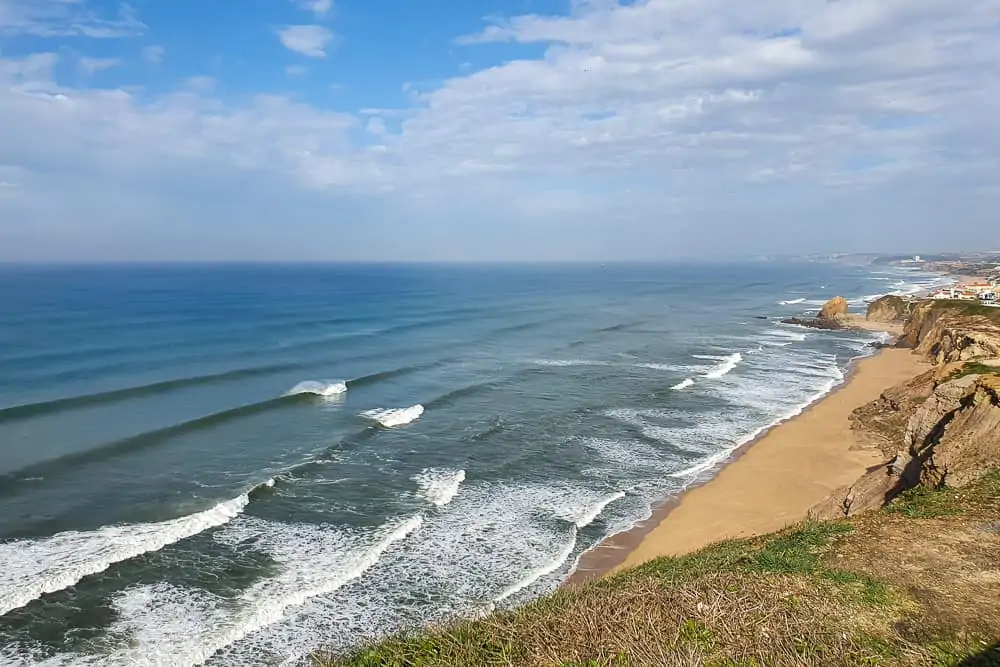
(768, 482)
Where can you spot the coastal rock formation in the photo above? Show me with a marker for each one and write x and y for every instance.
(833, 308)
(949, 331)
(888, 308)
(941, 428)
(813, 322)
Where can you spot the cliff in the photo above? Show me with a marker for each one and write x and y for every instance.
(936, 430)
(947, 331)
(889, 309)
(941, 428)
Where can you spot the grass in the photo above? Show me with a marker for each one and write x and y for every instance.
(962, 307)
(820, 593)
(974, 368)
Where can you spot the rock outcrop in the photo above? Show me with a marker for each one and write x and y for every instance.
(888, 308)
(813, 322)
(833, 308)
(941, 428)
(948, 331)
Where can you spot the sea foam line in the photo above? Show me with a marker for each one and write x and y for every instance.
(589, 514)
(33, 568)
(266, 610)
(534, 575)
(683, 384)
(157, 618)
(727, 365)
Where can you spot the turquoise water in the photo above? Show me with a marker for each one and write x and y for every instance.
(171, 492)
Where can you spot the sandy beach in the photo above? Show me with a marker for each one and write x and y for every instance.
(771, 482)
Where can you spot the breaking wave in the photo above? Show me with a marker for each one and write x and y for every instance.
(33, 568)
(324, 388)
(390, 417)
(439, 487)
(726, 365)
(537, 573)
(791, 302)
(188, 627)
(588, 514)
(683, 384)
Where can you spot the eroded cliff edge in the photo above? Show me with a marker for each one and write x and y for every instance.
(941, 428)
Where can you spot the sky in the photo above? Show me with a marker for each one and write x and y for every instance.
(491, 130)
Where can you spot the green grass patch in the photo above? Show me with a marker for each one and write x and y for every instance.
(974, 368)
(923, 503)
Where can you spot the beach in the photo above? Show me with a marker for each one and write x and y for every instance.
(771, 482)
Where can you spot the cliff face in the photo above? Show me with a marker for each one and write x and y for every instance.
(888, 309)
(941, 428)
(949, 331)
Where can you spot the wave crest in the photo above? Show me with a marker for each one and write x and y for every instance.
(324, 388)
(439, 487)
(391, 417)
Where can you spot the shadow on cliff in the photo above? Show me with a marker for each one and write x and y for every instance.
(988, 658)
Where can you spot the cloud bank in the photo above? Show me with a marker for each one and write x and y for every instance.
(646, 130)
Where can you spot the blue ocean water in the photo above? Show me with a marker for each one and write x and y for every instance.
(241, 464)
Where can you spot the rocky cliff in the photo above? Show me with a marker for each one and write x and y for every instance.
(941, 428)
(889, 309)
(948, 331)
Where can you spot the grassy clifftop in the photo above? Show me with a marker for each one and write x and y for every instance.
(915, 584)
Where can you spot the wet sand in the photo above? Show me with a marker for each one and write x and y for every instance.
(769, 483)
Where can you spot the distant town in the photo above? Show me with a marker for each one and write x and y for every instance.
(976, 274)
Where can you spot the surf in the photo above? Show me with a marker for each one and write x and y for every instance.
(439, 487)
(393, 417)
(726, 365)
(315, 560)
(33, 568)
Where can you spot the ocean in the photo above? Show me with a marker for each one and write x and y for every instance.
(234, 465)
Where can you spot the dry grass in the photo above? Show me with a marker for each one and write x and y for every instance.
(914, 586)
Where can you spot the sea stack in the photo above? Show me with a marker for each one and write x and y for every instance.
(834, 308)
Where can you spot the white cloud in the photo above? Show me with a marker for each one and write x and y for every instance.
(63, 18)
(307, 40)
(318, 7)
(650, 128)
(93, 65)
(154, 54)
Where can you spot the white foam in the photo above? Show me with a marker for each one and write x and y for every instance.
(324, 388)
(569, 362)
(32, 568)
(656, 367)
(705, 464)
(532, 576)
(683, 384)
(587, 515)
(439, 487)
(167, 625)
(727, 365)
(791, 302)
(390, 417)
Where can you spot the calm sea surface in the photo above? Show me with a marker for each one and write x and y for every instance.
(238, 465)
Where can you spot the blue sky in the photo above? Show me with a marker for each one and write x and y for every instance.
(494, 130)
